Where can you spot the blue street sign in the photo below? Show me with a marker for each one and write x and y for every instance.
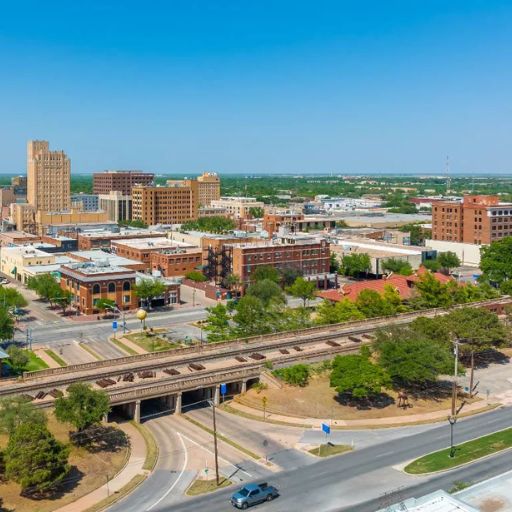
(326, 428)
(223, 389)
(114, 325)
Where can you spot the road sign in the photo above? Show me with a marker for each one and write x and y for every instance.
(223, 389)
(326, 428)
(114, 325)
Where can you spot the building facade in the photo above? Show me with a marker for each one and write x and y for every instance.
(89, 202)
(120, 181)
(13, 261)
(310, 257)
(48, 177)
(176, 262)
(275, 219)
(208, 188)
(164, 205)
(89, 282)
(238, 207)
(477, 219)
(117, 206)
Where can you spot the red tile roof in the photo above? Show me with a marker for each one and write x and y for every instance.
(403, 284)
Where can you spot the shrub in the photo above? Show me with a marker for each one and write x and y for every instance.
(297, 375)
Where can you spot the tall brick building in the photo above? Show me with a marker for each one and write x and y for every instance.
(121, 181)
(476, 219)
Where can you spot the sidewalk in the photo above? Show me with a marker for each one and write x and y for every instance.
(132, 468)
(431, 417)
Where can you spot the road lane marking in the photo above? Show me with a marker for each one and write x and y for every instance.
(185, 463)
(212, 453)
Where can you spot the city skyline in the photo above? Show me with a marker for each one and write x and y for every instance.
(346, 88)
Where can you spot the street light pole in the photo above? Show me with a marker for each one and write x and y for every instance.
(452, 419)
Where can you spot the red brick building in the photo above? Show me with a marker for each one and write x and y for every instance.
(176, 262)
(121, 181)
(477, 219)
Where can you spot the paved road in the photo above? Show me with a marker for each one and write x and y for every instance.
(320, 488)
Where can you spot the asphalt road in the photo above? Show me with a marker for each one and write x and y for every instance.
(317, 487)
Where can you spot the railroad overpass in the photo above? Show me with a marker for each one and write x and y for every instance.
(177, 377)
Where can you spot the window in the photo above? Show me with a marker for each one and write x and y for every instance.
(111, 287)
(126, 286)
(126, 299)
(96, 289)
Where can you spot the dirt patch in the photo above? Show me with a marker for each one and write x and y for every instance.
(90, 469)
(492, 505)
(319, 400)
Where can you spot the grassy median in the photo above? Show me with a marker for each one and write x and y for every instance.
(326, 450)
(464, 453)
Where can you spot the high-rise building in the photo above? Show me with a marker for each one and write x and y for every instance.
(121, 181)
(165, 205)
(89, 202)
(117, 206)
(48, 177)
(206, 186)
(476, 219)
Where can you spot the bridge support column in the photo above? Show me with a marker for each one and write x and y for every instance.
(243, 388)
(177, 409)
(136, 414)
(216, 395)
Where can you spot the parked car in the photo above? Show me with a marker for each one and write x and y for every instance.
(4, 281)
(252, 494)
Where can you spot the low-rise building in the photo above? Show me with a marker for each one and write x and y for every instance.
(102, 239)
(91, 281)
(177, 261)
(99, 256)
(76, 218)
(14, 260)
(238, 207)
(18, 238)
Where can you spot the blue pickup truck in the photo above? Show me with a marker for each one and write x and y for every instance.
(252, 494)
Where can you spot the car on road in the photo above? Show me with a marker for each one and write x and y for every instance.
(252, 494)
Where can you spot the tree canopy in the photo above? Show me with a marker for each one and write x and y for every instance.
(342, 311)
(355, 264)
(448, 260)
(17, 410)
(148, 289)
(215, 224)
(397, 266)
(265, 272)
(357, 376)
(372, 304)
(496, 263)
(6, 324)
(45, 286)
(35, 459)
(267, 291)
(82, 407)
(302, 289)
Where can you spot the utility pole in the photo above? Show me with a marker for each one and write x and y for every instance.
(452, 419)
(216, 453)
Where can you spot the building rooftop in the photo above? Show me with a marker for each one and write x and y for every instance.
(96, 268)
(98, 255)
(152, 243)
(26, 251)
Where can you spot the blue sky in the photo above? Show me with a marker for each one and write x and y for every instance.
(265, 86)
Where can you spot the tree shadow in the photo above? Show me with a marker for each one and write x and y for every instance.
(70, 481)
(487, 357)
(436, 391)
(100, 439)
(379, 401)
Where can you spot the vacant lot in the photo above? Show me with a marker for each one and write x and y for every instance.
(319, 400)
(89, 471)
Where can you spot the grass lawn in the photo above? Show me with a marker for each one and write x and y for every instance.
(88, 472)
(34, 363)
(123, 347)
(56, 357)
(151, 343)
(204, 486)
(326, 450)
(465, 452)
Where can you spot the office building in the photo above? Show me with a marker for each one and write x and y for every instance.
(120, 181)
(165, 205)
(206, 187)
(7, 196)
(238, 207)
(476, 219)
(48, 177)
(88, 202)
(274, 219)
(117, 206)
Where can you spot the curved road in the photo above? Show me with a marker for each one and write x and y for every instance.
(355, 481)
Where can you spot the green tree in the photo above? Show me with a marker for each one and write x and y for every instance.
(6, 324)
(215, 224)
(35, 459)
(45, 286)
(289, 274)
(432, 265)
(105, 304)
(302, 289)
(334, 264)
(256, 212)
(343, 311)
(149, 289)
(251, 318)
(372, 304)
(296, 375)
(397, 266)
(411, 361)
(496, 263)
(267, 291)
(134, 223)
(17, 357)
(16, 410)
(417, 233)
(232, 282)
(217, 323)
(265, 272)
(196, 276)
(448, 260)
(83, 406)
(293, 319)
(357, 376)
(64, 300)
(431, 293)
(355, 264)
(10, 297)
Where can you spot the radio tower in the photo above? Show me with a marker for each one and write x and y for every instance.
(448, 179)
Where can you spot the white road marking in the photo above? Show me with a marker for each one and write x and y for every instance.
(212, 453)
(185, 463)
